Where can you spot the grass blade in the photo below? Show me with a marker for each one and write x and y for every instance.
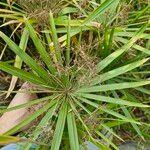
(99, 10)
(98, 143)
(128, 114)
(113, 113)
(143, 90)
(116, 72)
(26, 76)
(82, 106)
(112, 100)
(72, 129)
(39, 46)
(25, 57)
(18, 61)
(68, 44)
(107, 140)
(59, 127)
(89, 102)
(51, 47)
(135, 126)
(30, 118)
(136, 46)
(114, 86)
(109, 59)
(26, 105)
(112, 132)
(42, 123)
(55, 38)
(5, 140)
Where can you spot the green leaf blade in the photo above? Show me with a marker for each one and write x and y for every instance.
(72, 129)
(112, 100)
(114, 86)
(59, 127)
(116, 72)
(99, 10)
(26, 76)
(109, 59)
(25, 57)
(29, 119)
(39, 46)
(55, 38)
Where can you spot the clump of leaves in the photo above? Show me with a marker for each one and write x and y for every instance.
(70, 102)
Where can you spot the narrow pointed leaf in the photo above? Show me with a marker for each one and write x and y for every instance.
(99, 144)
(72, 129)
(29, 119)
(59, 127)
(18, 61)
(25, 57)
(68, 43)
(82, 106)
(116, 72)
(112, 132)
(26, 76)
(99, 10)
(112, 100)
(107, 140)
(135, 126)
(136, 46)
(39, 46)
(113, 113)
(109, 59)
(114, 86)
(55, 38)
(128, 115)
(8, 139)
(5, 140)
(26, 105)
(42, 123)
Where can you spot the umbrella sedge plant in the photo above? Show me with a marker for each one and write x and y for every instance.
(72, 92)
